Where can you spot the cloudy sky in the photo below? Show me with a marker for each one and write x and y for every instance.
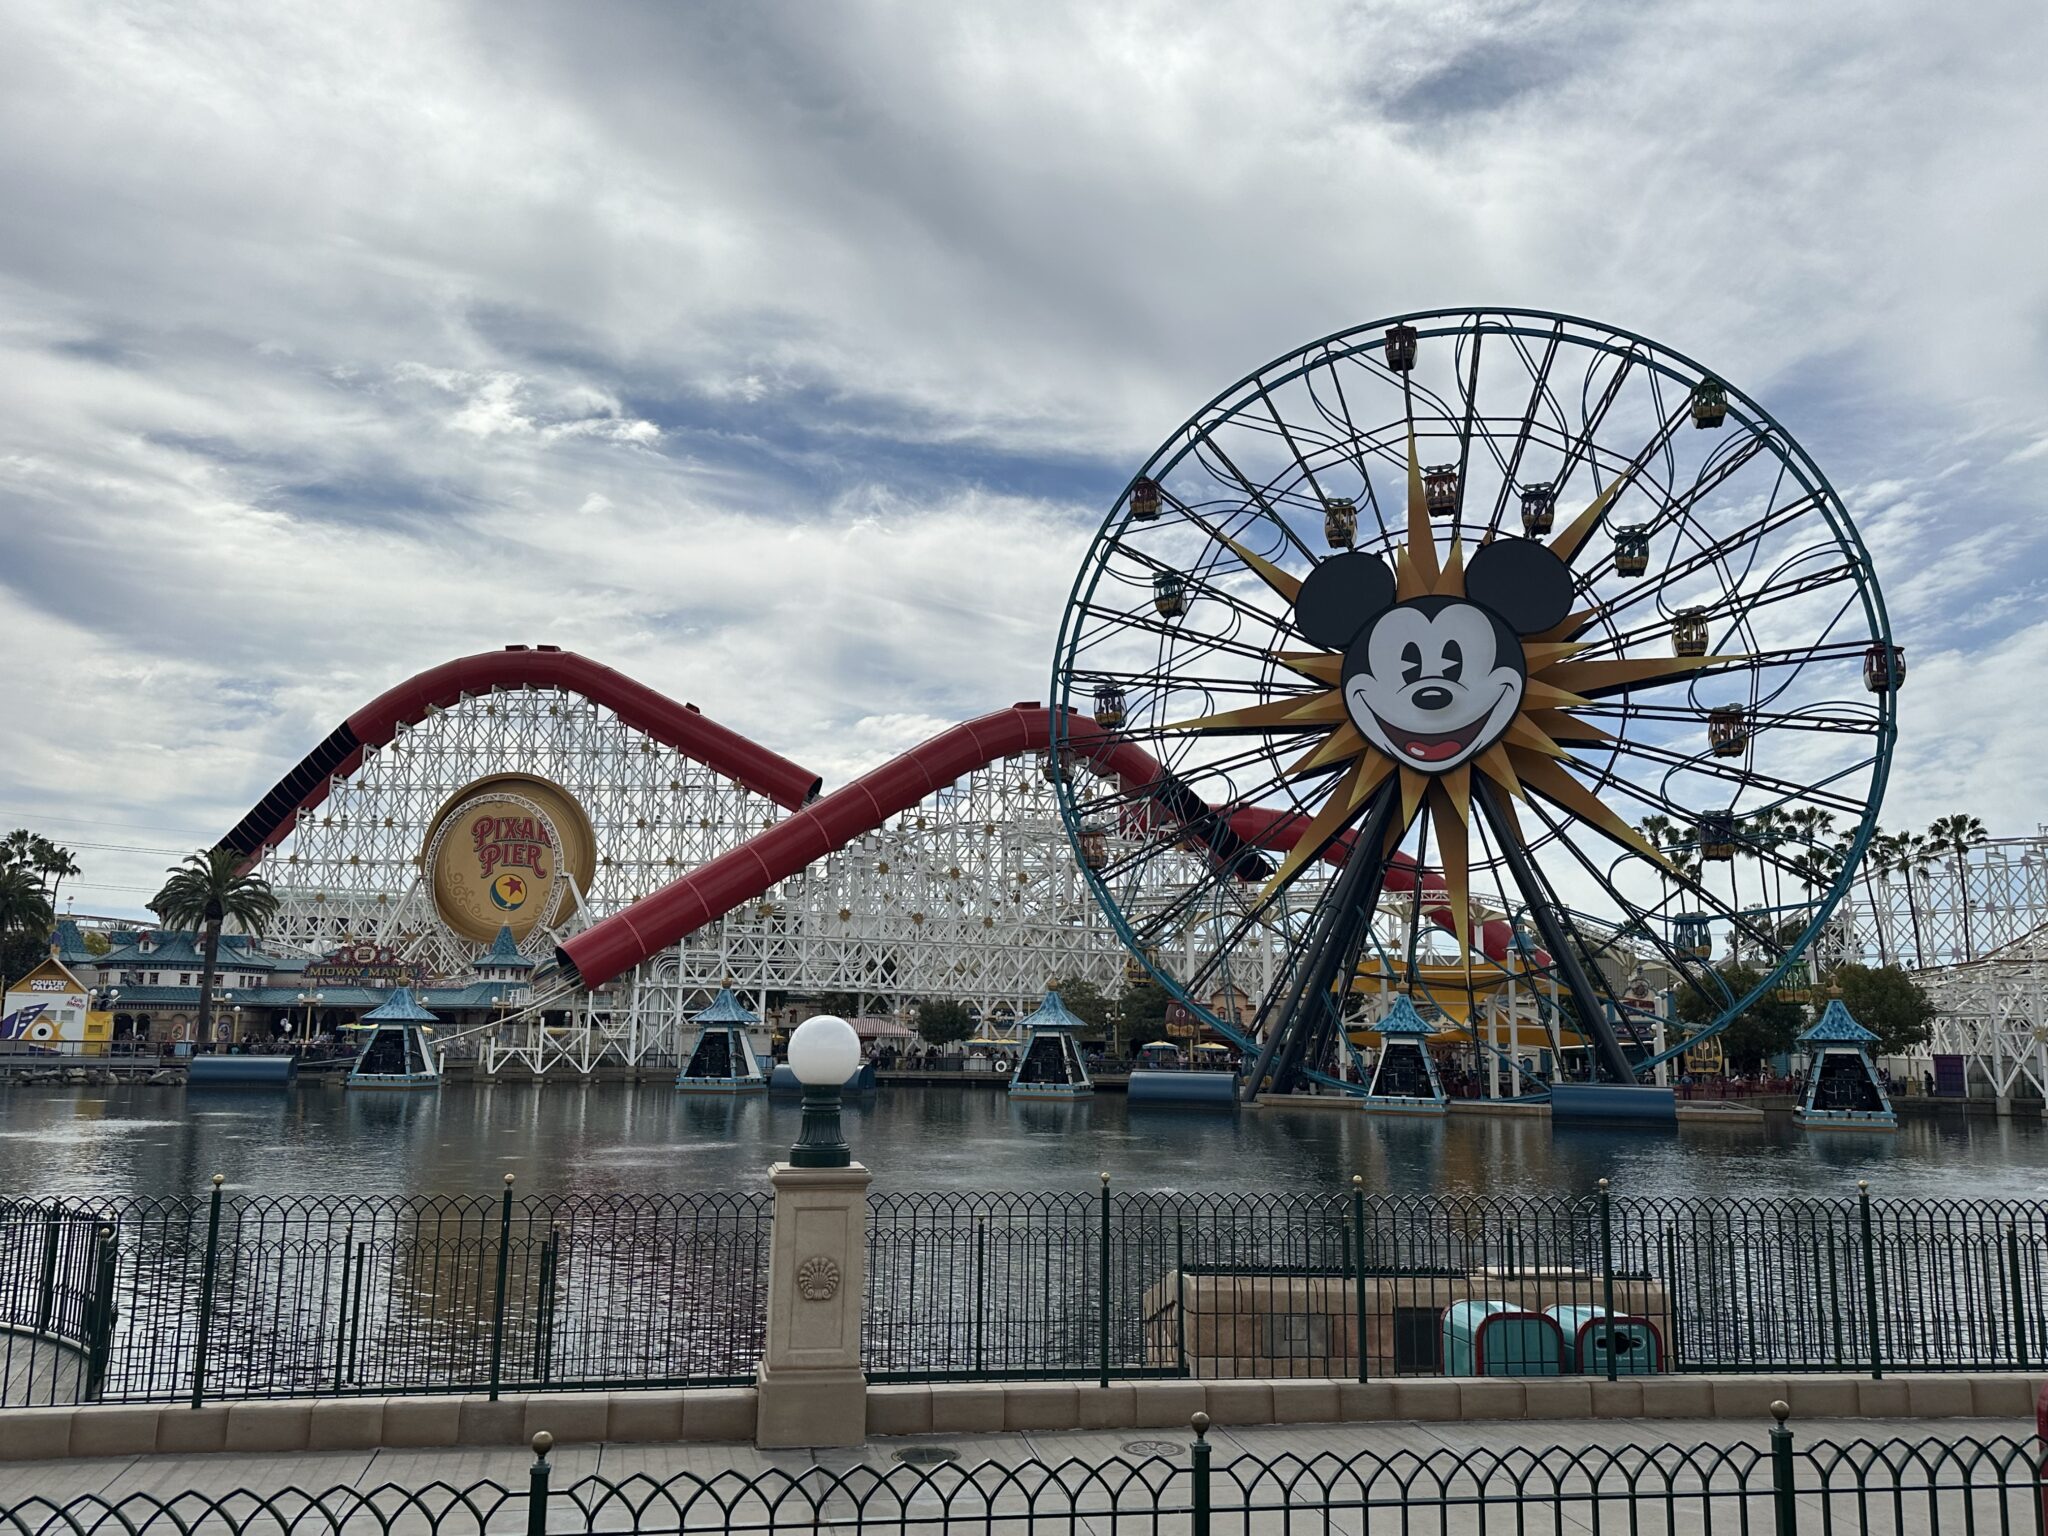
(784, 355)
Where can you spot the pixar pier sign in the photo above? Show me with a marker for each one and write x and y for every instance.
(511, 850)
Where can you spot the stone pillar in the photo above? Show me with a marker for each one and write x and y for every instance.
(812, 1391)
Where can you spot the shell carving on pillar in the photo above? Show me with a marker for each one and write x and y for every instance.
(817, 1279)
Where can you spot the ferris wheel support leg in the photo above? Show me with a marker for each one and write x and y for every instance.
(1556, 938)
(1353, 901)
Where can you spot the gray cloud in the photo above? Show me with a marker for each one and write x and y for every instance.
(804, 343)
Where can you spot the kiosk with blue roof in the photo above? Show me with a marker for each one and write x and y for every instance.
(722, 1060)
(397, 1052)
(1404, 1080)
(1843, 1090)
(1050, 1066)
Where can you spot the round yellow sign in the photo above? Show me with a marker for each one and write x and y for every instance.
(513, 849)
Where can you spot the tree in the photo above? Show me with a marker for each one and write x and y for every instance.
(1908, 854)
(943, 1021)
(1958, 835)
(1764, 1029)
(202, 894)
(55, 865)
(1889, 1003)
(1880, 859)
(1764, 834)
(1143, 1007)
(1085, 1001)
(25, 921)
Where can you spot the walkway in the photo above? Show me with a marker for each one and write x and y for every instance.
(364, 1471)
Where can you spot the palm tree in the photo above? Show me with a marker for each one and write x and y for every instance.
(16, 848)
(1658, 831)
(202, 893)
(1958, 835)
(1815, 868)
(1770, 830)
(55, 865)
(23, 906)
(1910, 854)
(1812, 824)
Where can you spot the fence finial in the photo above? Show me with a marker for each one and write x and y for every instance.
(1358, 1181)
(543, 1442)
(1105, 1176)
(1780, 1409)
(219, 1179)
(509, 1178)
(1200, 1424)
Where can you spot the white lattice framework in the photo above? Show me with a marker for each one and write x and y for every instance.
(1951, 911)
(1994, 1013)
(1975, 930)
(973, 895)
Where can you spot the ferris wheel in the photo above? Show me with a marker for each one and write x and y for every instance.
(1523, 627)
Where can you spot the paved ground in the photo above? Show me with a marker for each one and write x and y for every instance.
(35, 1373)
(1435, 1462)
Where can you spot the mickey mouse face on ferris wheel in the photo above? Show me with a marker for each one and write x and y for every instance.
(1433, 681)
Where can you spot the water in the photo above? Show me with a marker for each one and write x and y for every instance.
(632, 1138)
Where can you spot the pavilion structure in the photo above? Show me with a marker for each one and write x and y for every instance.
(396, 1050)
(1050, 1065)
(1843, 1090)
(1404, 1080)
(722, 1059)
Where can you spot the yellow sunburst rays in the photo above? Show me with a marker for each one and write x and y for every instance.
(1528, 758)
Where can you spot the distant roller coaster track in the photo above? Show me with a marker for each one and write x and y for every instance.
(817, 826)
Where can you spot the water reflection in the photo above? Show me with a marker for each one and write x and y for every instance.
(619, 1138)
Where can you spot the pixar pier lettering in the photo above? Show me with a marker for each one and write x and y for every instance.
(511, 842)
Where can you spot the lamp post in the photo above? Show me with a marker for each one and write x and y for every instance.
(810, 1390)
(823, 1053)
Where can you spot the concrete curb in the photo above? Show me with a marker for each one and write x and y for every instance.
(728, 1414)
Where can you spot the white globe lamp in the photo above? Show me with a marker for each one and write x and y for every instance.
(823, 1053)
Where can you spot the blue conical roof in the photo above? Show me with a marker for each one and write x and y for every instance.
(69, 942)
(504, 953)
(726, 1009)
(1402, 1019)
(1053, 1014)
(399, 1008)
(1836, 1026)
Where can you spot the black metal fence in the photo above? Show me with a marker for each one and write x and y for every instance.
(1893, 1488)
(249, 1296)
(233, 1296)
(1110, 1284)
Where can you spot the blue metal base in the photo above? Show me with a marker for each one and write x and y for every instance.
(782, 1082)
(1155, 1087)
(1614, 1103)
(241, 1071)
